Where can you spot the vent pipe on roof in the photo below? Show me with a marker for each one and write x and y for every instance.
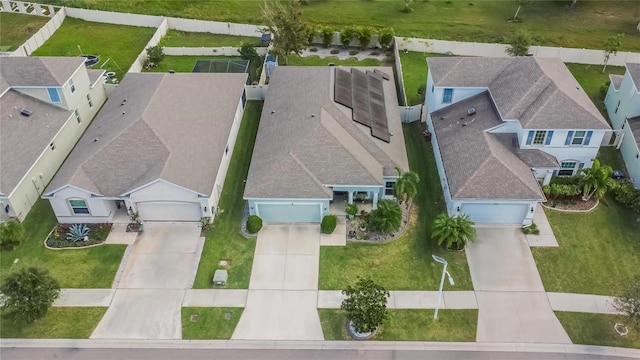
(26, 112)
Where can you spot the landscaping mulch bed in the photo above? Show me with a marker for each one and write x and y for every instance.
(97, 235)
(572, 205)
(357, 234)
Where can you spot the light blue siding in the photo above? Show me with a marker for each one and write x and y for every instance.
(289, 211)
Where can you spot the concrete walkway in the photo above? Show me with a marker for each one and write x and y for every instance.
(512, 303)
(546, 238)
(282, 300)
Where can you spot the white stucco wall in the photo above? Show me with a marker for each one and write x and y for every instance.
(631, 156)
(100, 210)
(163, 191)
(628, 97)
(581, 153)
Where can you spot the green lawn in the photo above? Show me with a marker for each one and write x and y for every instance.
(226, 241)
(414, 74)
(598, 250)
(177, 38)
(59, 323)
(552, 22)
(210, 323)
(405, 263)
(95, 267)
(15, 29)
(314, 60)
(594, 81)
(409, 325)
(120, 43)
(597, 329)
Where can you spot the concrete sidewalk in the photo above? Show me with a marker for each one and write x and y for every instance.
(546, 238)
(597, 304)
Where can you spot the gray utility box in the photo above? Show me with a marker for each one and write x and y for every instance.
(220, 277)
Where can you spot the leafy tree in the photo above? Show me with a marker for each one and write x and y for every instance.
(311, 33)
(454, 232)
(520, 4)
(327, 34)
(611, 46)
(28, 293)
(385, 37)
(387, 217)
(347, 35)
(12, 234)
(406, 186)
(365, 305)
(248, 52)
(519, 44)
(284, 21)
(364, 36)
(628, 302)
(155, 54)
(596, 180)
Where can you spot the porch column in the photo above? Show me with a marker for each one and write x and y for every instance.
(547, 177)
(350, 197)
(375, 200)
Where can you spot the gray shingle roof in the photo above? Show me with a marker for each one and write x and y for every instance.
(531, 157)
(540, 92)
(634, 71)
(478, 164)
(174, 127)
(38, 71)
(616, 80)
(23, 139)
(306, 141)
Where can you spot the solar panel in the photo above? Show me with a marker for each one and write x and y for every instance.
(382, 74)
(342, 88)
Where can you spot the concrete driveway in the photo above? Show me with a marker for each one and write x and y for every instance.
(512, 304)
(282, 302)
(159, 269)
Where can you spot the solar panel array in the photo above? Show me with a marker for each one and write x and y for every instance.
(364, 94)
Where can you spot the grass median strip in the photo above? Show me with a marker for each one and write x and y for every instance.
(199, 323)
(59, 323)
(597, 329)
(225, 241)
(409, 325)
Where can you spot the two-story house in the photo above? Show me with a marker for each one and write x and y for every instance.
(46, 104)
(502, 127)
(623, 106)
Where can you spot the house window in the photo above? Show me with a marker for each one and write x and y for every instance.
(447, 96)
(567, 168)
(52, 146)
(578, 137)
(89, 101)
(617, 107)
(72, 86)
(54, 96)
(79, 207)
(538, 138)
(77, 116)
(388, 188)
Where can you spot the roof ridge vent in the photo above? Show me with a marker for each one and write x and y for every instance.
(26, 112)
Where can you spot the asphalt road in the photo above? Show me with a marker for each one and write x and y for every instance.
(29, 353)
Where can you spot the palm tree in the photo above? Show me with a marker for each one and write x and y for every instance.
(596, 180)
(454, 232)
(387, 217)
(406, 186)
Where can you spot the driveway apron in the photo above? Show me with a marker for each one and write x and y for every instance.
(282, 302)
(147, 301)
(512, 304)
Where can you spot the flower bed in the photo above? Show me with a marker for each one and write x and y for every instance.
(58, 237)
(358, 229)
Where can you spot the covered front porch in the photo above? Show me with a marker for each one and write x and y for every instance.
(365, 199)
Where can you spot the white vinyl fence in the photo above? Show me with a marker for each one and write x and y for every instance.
(24, 7)
(580, 56)
(410, 113)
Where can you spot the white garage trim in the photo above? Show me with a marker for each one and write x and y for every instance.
(496, 213)
(169, 211)
(289, 212)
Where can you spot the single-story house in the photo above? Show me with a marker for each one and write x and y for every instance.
(160, 147)
(326, 134)
(502, 127)
(46, 103)
(623, 106)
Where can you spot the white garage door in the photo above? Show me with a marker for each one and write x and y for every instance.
(496, 213)
(290, 213)
(169, 211)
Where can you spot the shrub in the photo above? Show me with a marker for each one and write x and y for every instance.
(329, 223)
(625, 194)
(102, 231)
(385, 37)
(12, 234)
(335, 51)
(531, 229)
(254, 224)
(561, 191)
(454, 232)
(78, 232)
(387, 217)
(155, 54)
(422, 91)
(364, 36)
(347, 35)
(248, 52)
(311, 33)
(326, 32)
(28, 293)
(565, 180)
